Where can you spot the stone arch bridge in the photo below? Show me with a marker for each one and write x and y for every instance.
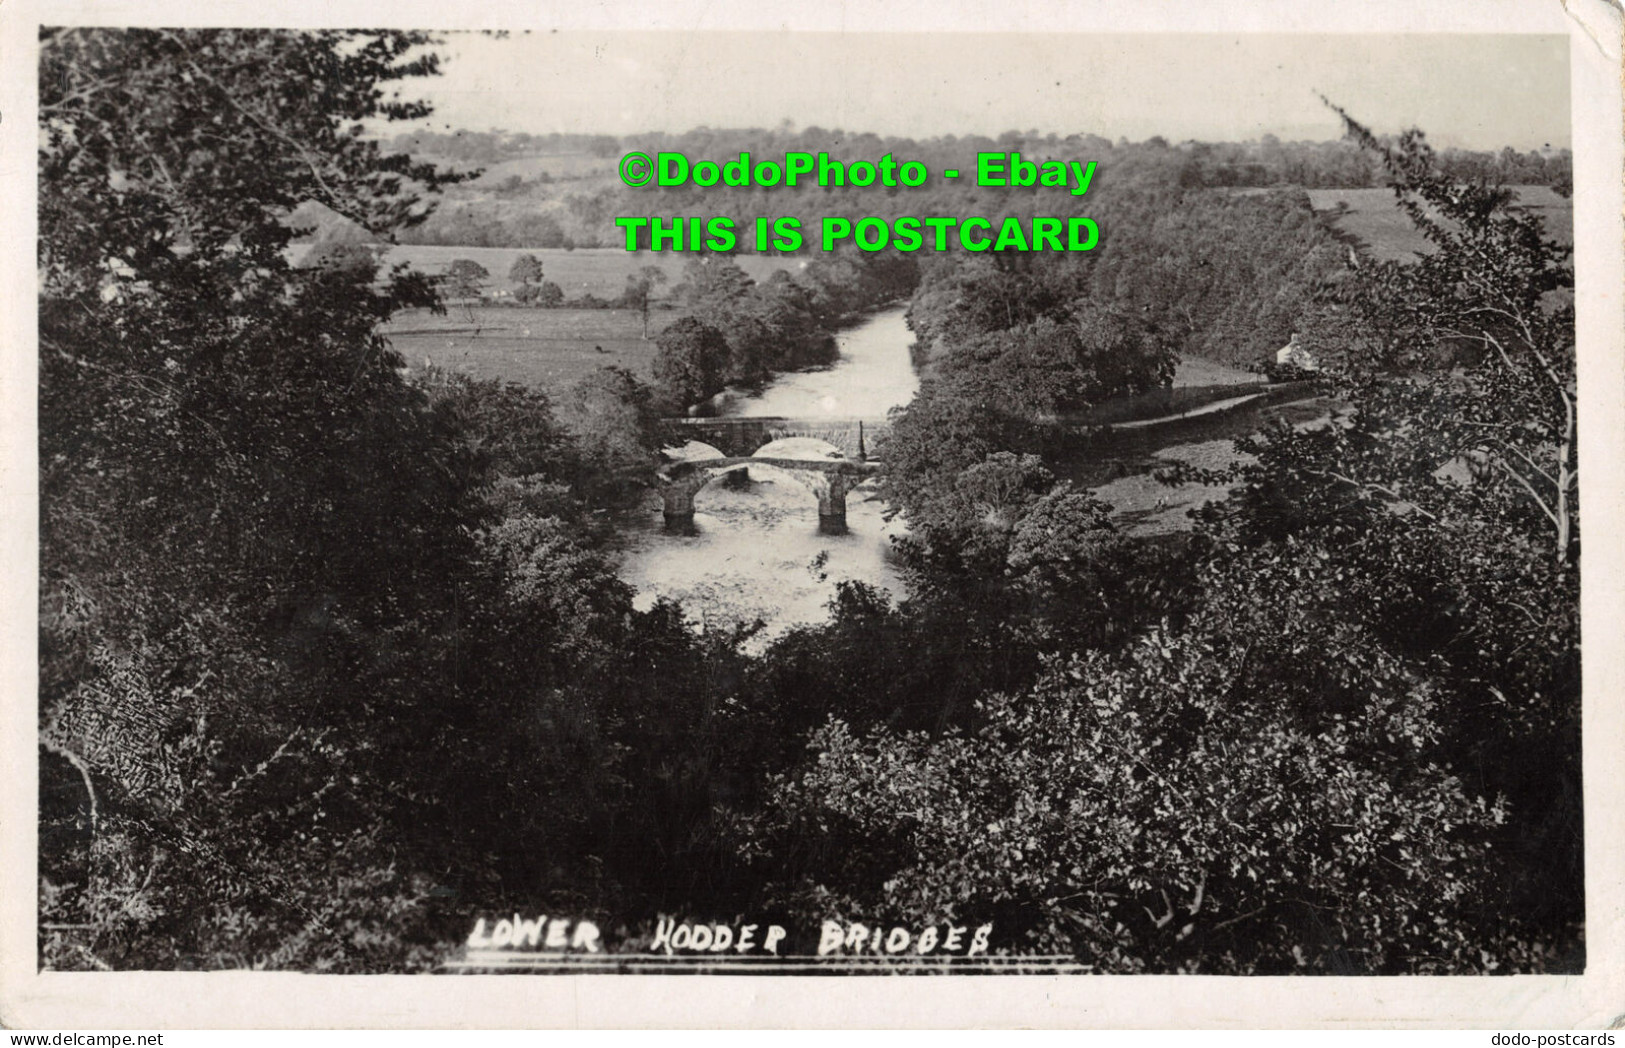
(829, 457)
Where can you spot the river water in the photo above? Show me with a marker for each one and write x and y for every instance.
(757, 553)
(873, 376)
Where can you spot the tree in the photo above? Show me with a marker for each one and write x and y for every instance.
(360, 259)
(525, 272)
(533, 229)
(466, 278)
(691, 357)
(1495, 297)
(549, 295)
(611, 416)
(713, 287)
(1436, 502)
(250, 527)
(1188, 806)
(751, 350)
(933, 442)
(976, 515)
(639, 290)
(981, 416)
(1351, 745)
(1053, 365)
(798, 340)
(980, 294)
(1460, 442)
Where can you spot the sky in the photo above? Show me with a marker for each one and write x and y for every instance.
(1478, 91)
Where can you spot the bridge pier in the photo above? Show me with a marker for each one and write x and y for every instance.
(832, 505)
(677, 506)
(832, 518)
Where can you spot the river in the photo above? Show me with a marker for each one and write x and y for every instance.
(873, 376)
(757, 552)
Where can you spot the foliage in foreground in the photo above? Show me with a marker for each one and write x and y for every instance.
(312, 638)
(1358, 751)
(324, 654)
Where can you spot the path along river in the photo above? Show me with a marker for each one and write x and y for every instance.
(757, 552)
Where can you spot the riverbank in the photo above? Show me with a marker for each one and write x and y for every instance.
(756, 552)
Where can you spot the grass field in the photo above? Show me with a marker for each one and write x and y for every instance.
(1143, 505)
(1194, 371)
(547, 349)
(600, 271)
(1372, 216)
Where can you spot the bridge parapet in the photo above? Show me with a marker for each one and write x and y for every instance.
(855, 437)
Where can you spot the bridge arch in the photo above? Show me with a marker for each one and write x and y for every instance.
(813, 449)
(693, 451)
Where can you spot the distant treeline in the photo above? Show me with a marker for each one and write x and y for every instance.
(490, 147)
(1261, 162)
(548, 210)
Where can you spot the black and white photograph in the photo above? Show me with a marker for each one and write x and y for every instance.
(637, 496)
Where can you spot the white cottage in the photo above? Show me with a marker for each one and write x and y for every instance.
(1294, 354)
